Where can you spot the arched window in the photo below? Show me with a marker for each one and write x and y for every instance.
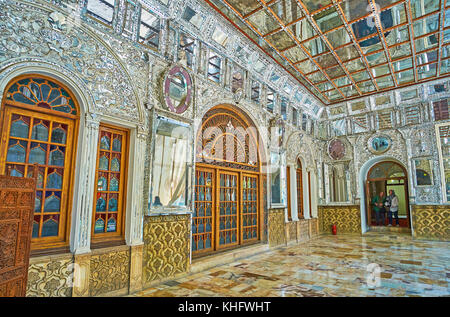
(299, 173)
(39, 124)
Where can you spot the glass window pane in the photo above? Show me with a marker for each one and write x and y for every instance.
(149, 29)
(101, 9)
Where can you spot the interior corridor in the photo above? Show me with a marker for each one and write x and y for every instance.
(326, 266)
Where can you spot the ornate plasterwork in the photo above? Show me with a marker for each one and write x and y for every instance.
(348, 155)
(397, 150)
(301, 145)
(33, 33)
(421, 144)
(209, 95)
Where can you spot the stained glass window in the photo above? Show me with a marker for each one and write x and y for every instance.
(39, 119)
(109, 192)
(43, 93)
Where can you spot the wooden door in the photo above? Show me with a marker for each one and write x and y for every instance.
(249, 215)
(288, 180)
(227, 212)
(202, 220)
(17, 196)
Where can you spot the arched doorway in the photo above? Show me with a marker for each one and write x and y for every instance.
(228, 183)
(382, 177)
(39, 124)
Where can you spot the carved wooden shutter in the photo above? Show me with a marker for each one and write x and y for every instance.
(17, 196)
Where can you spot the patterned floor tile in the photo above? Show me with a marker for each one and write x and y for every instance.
(345, 265)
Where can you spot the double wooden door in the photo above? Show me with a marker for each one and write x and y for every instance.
(226, 209)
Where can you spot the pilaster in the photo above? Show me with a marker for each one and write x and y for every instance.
(137, 252)
(83, 205)
(136, 189)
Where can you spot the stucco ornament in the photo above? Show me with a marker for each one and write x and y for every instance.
(48, 35)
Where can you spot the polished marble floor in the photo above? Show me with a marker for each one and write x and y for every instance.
(376, 264)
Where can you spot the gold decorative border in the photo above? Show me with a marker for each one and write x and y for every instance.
(431, 222)
(347, 219)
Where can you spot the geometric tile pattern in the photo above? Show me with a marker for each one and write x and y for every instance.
(109, 272)
(277, 233)
(166, 247)
(346, 218)
(431, 222)
(376, 264)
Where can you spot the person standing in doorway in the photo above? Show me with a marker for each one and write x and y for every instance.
(393, 209)
(378, 207)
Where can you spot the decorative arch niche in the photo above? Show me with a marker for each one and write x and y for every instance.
(230, 199)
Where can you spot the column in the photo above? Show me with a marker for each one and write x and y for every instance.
(83, 191)
(83, 205)
(136, 205)
(135, 210)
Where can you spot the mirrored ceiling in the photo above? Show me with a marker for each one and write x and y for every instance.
(345, 49)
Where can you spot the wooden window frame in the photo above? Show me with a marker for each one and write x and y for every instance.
(118, 236)
(59, 243)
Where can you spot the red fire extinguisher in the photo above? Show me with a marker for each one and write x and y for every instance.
(334, 229)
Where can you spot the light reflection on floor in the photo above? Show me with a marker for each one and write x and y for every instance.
(342, 265)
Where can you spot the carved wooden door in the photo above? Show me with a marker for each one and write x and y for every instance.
(17, 199)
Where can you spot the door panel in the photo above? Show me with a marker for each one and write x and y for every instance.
(249, 218)
(226, 209)
(202, 220)
(227, 217)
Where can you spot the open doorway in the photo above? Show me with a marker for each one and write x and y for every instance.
(383, 177)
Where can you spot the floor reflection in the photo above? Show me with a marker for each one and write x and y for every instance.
(376, 264)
